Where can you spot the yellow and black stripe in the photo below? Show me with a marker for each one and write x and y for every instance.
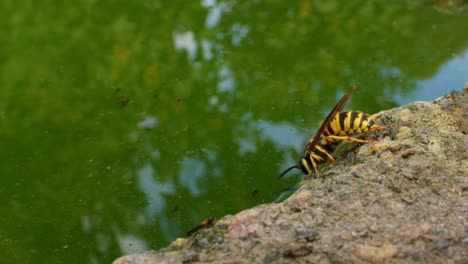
(337, 127)
(350, 123)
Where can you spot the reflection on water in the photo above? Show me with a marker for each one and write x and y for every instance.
(130, 243)
(451, 76)
(154, 190)
(215, 11)
(226, 80)
(121, 138)
(186, 41)
(148, 123)
(191, 171)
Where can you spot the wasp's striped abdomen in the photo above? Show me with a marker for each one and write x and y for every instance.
(350, 123)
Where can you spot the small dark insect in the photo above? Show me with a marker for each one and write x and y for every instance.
(337, 127)
(122, 100)
(254, 192)
(204, 224)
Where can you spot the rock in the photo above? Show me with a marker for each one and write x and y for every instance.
(401, 199)
(375, 254)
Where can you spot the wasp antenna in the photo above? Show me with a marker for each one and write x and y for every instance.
(288, 169)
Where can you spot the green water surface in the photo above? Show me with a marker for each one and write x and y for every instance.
(125, 123)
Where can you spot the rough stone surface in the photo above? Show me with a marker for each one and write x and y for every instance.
(403, 199)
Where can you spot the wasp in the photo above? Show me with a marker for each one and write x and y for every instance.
(337, 127)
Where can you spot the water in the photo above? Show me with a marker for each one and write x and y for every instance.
(124, 124)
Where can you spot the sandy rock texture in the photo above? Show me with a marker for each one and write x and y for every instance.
(402, 199)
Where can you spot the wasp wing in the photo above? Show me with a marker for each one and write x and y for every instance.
(330, 117)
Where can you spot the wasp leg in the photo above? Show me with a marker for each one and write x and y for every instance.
(375, 118)
(313, 157)
(381, 128)
(350, 139)
(376, 128)
(326, 153)
(314, 164)
(305, 165)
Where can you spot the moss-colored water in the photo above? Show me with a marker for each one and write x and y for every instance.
(123, 124)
